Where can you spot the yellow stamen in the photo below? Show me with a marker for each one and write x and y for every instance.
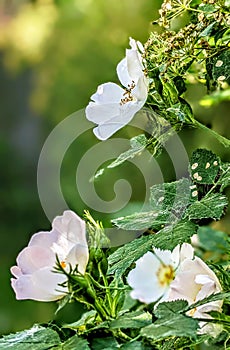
(165, 274)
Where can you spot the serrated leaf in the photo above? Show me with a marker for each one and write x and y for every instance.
(210, 206)
(124, 256)
(135, 319)
(164, 309)
(167, 238)
(173, 325)
(87, 318)
(108, 343)
(75, 342)
(224, 179)
(204, 166)
(171, 236)
(141, 221)
(168, 202)
(210, 298)
(138, 144)
(171, 197)
(36, 338)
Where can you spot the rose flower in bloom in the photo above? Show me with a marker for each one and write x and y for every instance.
(167, 276)
(34, 274)
(112, 106)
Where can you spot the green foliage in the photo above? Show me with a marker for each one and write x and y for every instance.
(138, 144)
(36, 338)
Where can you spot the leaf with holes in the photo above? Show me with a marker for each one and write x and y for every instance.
(204, 166)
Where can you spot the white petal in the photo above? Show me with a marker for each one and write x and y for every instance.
(41, 286)
(71, 225)
(143, 279)
(101, 113)
(16, 271)
(134, 65)
(34, 257)
(109, 127)
(79, 255)
(163, 255)
(141, 89)
(136, 45)
(43, 239)
(107, 93)
(123, 74)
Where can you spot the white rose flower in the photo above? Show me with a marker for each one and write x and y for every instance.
(154, 272)
(34, 276)
(112, 107)
(167, 276)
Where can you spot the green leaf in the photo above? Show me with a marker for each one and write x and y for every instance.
(168, 238)
(213, 240)
(108, 343)
(204, 166)
(124, 256)
(168, 202)
(75, 342)
(166, 308)
(36, 338)
(173, 325)
(141, 221)
(224, 179)
(210, 298)
(171, 236)
(138, 144)
(87, 318)
(210, 206)
(221, 66)
(207, 30)
(135, 345)
(135, 319)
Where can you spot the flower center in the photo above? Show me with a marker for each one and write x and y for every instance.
(165, 274)
(128, 94)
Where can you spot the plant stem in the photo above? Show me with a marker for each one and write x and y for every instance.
(223, 140)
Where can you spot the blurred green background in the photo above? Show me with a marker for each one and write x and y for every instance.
(53, 54)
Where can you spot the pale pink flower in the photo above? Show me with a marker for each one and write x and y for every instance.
(34, 274)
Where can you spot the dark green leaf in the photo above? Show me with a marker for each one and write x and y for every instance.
(167, 238)
(104, 344)
(36, 338)
(124, 256)
(75, 342)
(166, 308)
(211, 206)
(221, 66)
(204, 166)
(173, 325)
(138, 144)
(135, 319)
(171, 236)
